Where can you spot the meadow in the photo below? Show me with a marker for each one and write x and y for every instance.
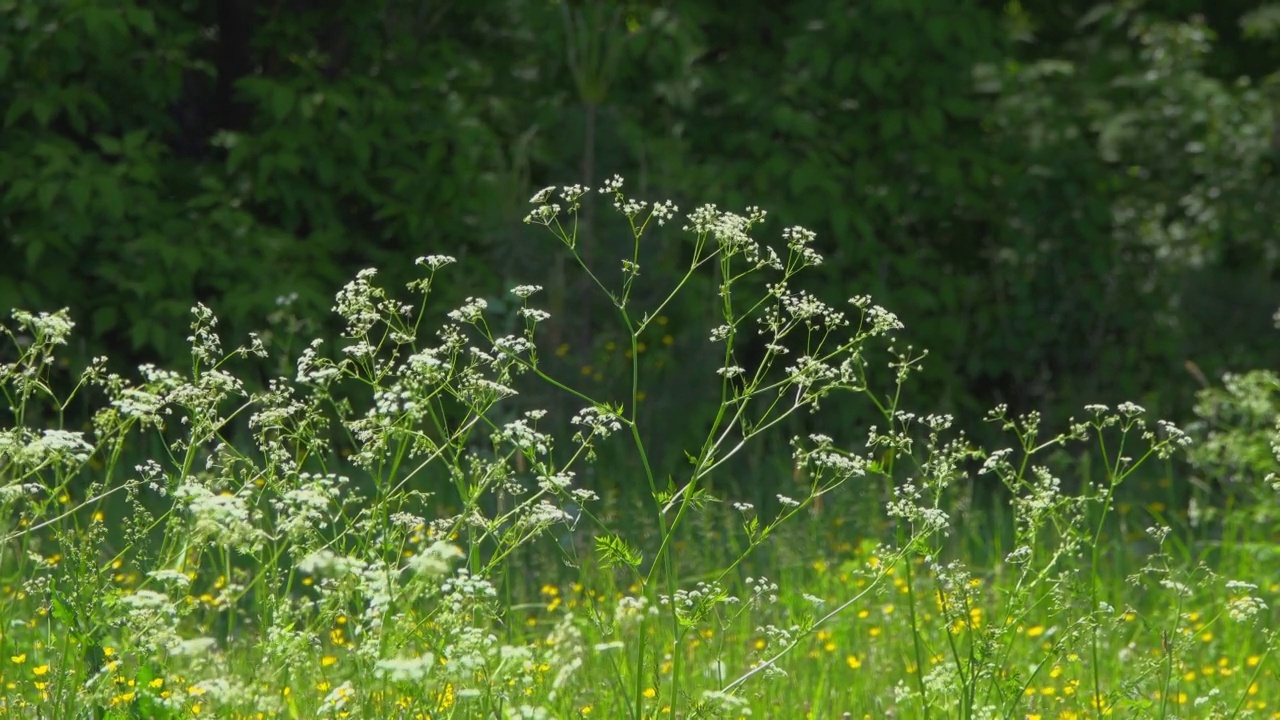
(387, 530)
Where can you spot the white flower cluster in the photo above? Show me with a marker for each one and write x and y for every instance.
(357, 303)
(599, 422)
(523, 438)
(908, 504)
(49, 329)
(408, 670)
(825, 457)
(762, 590)
(1243, 604)
(800, 242)
(731, 232)
(434, 561)
(472, 311)
(221, 518)
(27, 449)
(435, 262)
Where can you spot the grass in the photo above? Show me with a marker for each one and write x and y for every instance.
(390, 533)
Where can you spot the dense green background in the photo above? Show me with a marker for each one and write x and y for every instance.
(1065, 202)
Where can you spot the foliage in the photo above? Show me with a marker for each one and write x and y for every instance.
(146, 161)
(1029, 186)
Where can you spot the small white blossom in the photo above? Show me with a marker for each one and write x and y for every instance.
(435, 262)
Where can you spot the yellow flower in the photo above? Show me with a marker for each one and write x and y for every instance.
(328, 660)
(650, 693)
(18, 659)
(1035, 631)
(853, 662)
(40, 670)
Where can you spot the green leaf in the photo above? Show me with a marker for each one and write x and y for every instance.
(104, 25)
(104, 319)
(846, 67)
(19, 105)
(79, 190)
(46, 195)
(282, 101)
(614, 551)
(22, 189)
(61, 612)
(872, 76)
(140, 334)
(890, 124)
(134, 141)
(42, 108)
(110, 198)
(141, 19)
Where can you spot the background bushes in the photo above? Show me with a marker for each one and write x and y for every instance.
(1063, 202)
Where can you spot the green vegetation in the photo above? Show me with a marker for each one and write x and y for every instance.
(1064, 202)
(695, 470)
(401, 538)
